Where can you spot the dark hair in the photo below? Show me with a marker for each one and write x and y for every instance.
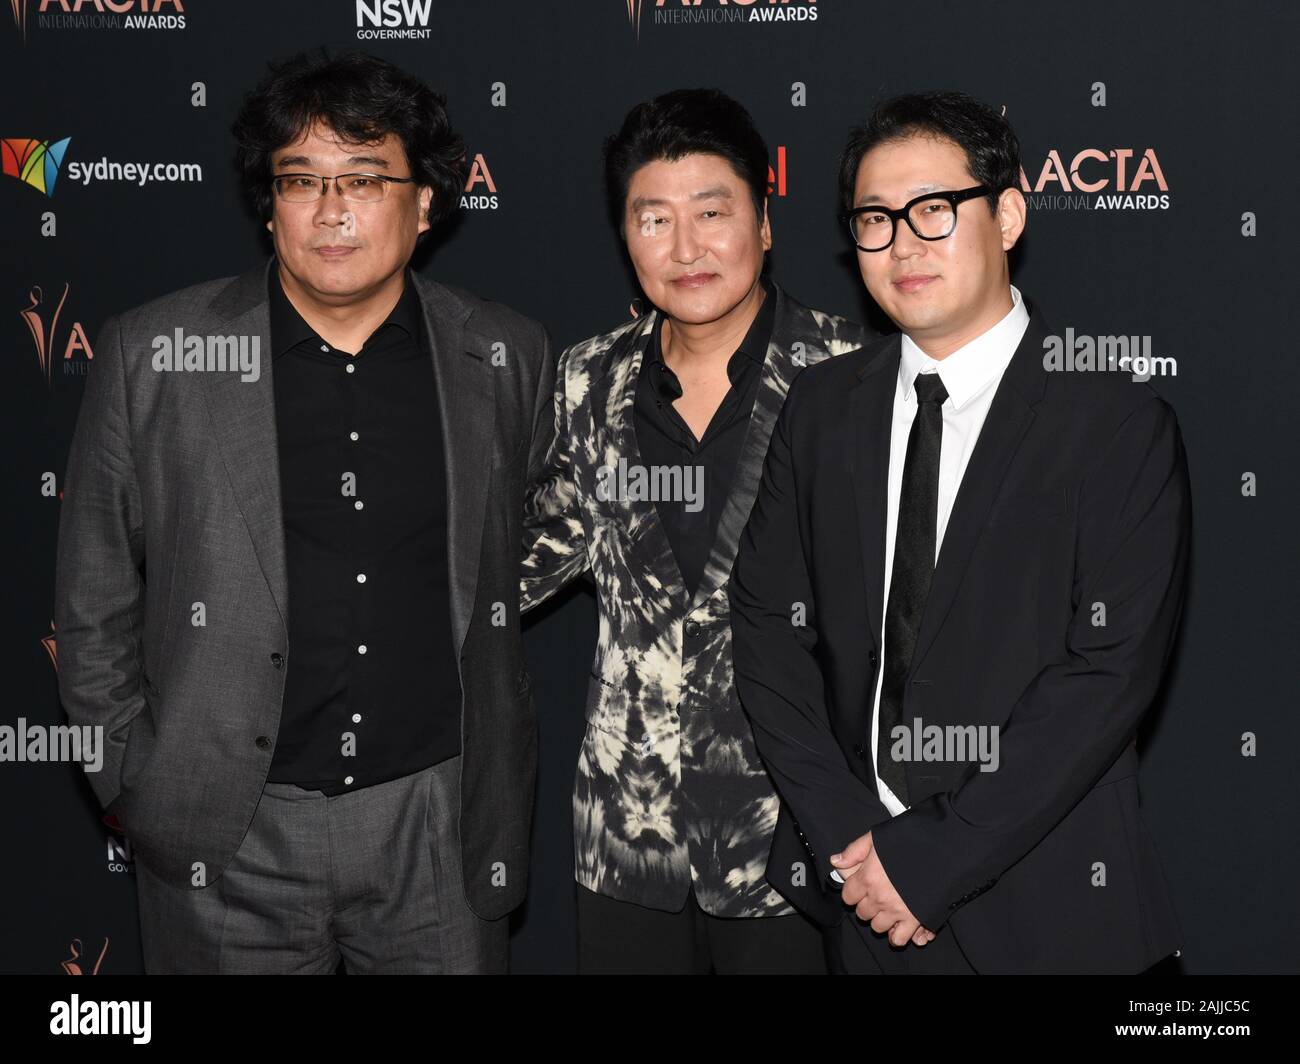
(679, 123)
(361, 98)
(992, 151)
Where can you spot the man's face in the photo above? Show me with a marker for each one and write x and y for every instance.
(338, 249)
(695, 241)
(936, 288)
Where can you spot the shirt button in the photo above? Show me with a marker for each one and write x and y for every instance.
(353, 436)
(277, 659)
(359, 505)
(347, 780)
(361, 649)
(361, 578)
(324, 347)
(691, 628)
(262, 742)
(351, 368)
(356, 718)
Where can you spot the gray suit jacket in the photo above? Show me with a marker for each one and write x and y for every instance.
(172, 498)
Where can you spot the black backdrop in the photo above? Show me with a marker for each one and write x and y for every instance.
(1205, 92)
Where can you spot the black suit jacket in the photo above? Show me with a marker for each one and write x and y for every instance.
(1076, 494)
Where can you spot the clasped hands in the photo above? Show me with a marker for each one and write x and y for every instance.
(868, 890)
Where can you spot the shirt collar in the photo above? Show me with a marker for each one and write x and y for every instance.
(289, 328)
(753, 346)
(971, 368)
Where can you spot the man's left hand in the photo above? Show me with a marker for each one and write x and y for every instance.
(867, 888)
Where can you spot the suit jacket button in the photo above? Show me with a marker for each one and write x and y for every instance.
(691, 628)
(874, 659)
(263, 743)
(860, 751)
(277, 659)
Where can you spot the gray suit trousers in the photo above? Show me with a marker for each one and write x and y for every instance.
(372, 877)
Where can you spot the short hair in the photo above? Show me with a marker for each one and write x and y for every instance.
(992, 150)
(361, 98)
(679, 123)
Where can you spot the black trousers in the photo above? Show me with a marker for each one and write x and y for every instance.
(855, 949)
(622, 938)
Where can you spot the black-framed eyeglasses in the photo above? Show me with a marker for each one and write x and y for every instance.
(931, 216)
(359, 188)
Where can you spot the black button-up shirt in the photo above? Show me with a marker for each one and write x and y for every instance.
(372, 690)
(664, 439)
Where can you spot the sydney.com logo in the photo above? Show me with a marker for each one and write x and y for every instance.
(38, 162)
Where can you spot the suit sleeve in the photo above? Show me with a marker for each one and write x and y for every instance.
(778, 677)
(1077, 715)
(555, 546)
(99, 586)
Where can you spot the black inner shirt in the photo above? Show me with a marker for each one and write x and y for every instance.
(372, 691)
(664, 439)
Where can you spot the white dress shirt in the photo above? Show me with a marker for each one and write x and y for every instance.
(970, 375)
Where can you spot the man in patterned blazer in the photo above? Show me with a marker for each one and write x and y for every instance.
(661, 428)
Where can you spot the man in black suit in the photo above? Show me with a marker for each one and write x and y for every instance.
(957, 595)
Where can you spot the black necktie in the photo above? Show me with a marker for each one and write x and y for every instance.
(909, 584)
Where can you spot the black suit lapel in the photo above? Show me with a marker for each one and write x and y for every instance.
(1009, 419)
(871, 411)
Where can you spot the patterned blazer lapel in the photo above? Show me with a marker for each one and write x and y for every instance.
(792, 324)
(612, 398)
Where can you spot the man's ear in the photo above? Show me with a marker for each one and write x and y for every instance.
(426, 201)
(765, 228)
(1012, 216)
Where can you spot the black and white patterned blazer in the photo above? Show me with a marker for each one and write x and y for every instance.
(669, 787)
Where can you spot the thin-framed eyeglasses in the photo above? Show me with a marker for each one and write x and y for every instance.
(359, 188)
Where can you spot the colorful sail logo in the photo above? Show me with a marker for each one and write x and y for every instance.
(35, 162)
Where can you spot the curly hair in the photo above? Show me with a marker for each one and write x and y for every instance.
(361, 98)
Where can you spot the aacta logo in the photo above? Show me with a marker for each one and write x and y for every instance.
(100, 14)
(1094, 170)
(476, 199)
(693, 12)
(43, 325)
(33, 162)
(74, 964)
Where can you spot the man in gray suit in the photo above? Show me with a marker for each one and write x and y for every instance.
(289, 557)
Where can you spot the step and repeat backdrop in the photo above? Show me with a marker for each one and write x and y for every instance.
(1159, 150)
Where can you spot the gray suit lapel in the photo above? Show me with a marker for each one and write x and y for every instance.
(463, 376)
(243, 424)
